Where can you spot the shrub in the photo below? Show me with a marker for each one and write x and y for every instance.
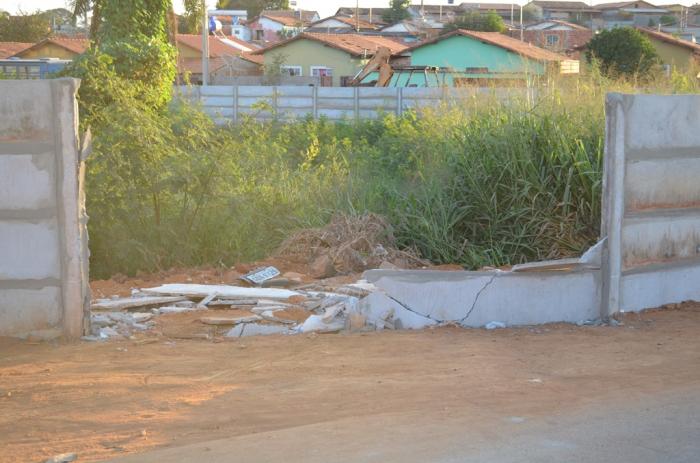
(622, 50)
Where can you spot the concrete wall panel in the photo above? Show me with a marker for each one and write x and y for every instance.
(29, 250)
(661, 122)
(31, 184)
(24, 110)
(45, 313)
(671, 183)
(655, 239)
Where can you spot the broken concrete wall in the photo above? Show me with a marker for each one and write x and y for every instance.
(43, 242)
(651, 201)
(649, 254)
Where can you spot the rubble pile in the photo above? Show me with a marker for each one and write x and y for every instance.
(348, 244)
(239, 311)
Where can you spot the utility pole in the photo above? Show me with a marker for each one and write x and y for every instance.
(357, 16)
(521, 24)
(205, 44)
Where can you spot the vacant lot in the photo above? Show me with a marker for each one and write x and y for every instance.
(112, 399)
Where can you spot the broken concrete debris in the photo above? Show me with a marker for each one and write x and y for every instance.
(223, 291)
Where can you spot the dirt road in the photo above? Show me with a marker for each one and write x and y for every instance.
(109, 400)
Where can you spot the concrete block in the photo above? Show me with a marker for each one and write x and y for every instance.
(27, 181)
(29, 250)
(25, 310)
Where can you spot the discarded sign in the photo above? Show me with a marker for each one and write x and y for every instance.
(257, 277)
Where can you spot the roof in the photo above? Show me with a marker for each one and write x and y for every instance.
(353, 22)
(668, 38)
(558, 22)
(216, 46)
(9, 49)
(497, 39)
(563, 6)
(290, 18)
(465, 6)
(257, 59)
(353, 44)
(350, 11)
(75, 45)
(616, 5)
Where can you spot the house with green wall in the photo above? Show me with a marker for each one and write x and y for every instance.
(471, 57)
(334, 58)
(673, 52)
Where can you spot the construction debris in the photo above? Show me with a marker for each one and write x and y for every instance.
(125, 303)
(229, 320)
(223, 291)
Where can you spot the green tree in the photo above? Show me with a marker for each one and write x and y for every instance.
(85, 8)
(398, 11)
(622, 50)
(668, 20)
(476, 21)
(191, 21)
(24, 27)
(253, 7)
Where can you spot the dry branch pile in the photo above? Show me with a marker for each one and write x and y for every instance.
(349, 244)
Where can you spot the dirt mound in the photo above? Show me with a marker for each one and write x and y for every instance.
(349, 244)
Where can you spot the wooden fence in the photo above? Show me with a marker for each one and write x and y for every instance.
(229, 103)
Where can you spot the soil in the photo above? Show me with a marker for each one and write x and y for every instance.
(103, 400)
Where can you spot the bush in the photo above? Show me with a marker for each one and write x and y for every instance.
(622, 50)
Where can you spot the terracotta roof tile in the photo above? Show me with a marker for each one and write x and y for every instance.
(9, 49)
(216, 46)
(503, 41)
(349, 21)
(353, 44)
(75, 45)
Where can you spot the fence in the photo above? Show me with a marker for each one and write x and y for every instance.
(651, 201)
(334, 103)
(43, 242)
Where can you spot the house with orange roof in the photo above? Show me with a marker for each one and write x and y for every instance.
(227, 56)
(341, 25)
(474, 58)
(674, 53)
(276, 25)
(55, 47)
(333, 58)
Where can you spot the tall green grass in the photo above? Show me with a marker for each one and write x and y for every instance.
(486, 182)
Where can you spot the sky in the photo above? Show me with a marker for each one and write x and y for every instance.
(324, 7)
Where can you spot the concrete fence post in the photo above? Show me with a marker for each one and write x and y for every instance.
(314, 101)
(234, 113)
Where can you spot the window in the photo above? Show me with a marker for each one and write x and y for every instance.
(291, 70)
(259, 34)
(321, 71)
(552, 40)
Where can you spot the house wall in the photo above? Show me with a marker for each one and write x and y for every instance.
(43, 240)
(678, 57)
(48, 50)
(307, 53)
(568, 39)
(459, 52)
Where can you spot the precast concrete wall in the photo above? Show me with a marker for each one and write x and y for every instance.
(648, 256)
(43, 242)
(651, 201)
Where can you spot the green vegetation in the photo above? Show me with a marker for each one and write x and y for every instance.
(622, 51)
(477, 21)
(253, 7)
(24, 27)
(486, 183)
(397, 12)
